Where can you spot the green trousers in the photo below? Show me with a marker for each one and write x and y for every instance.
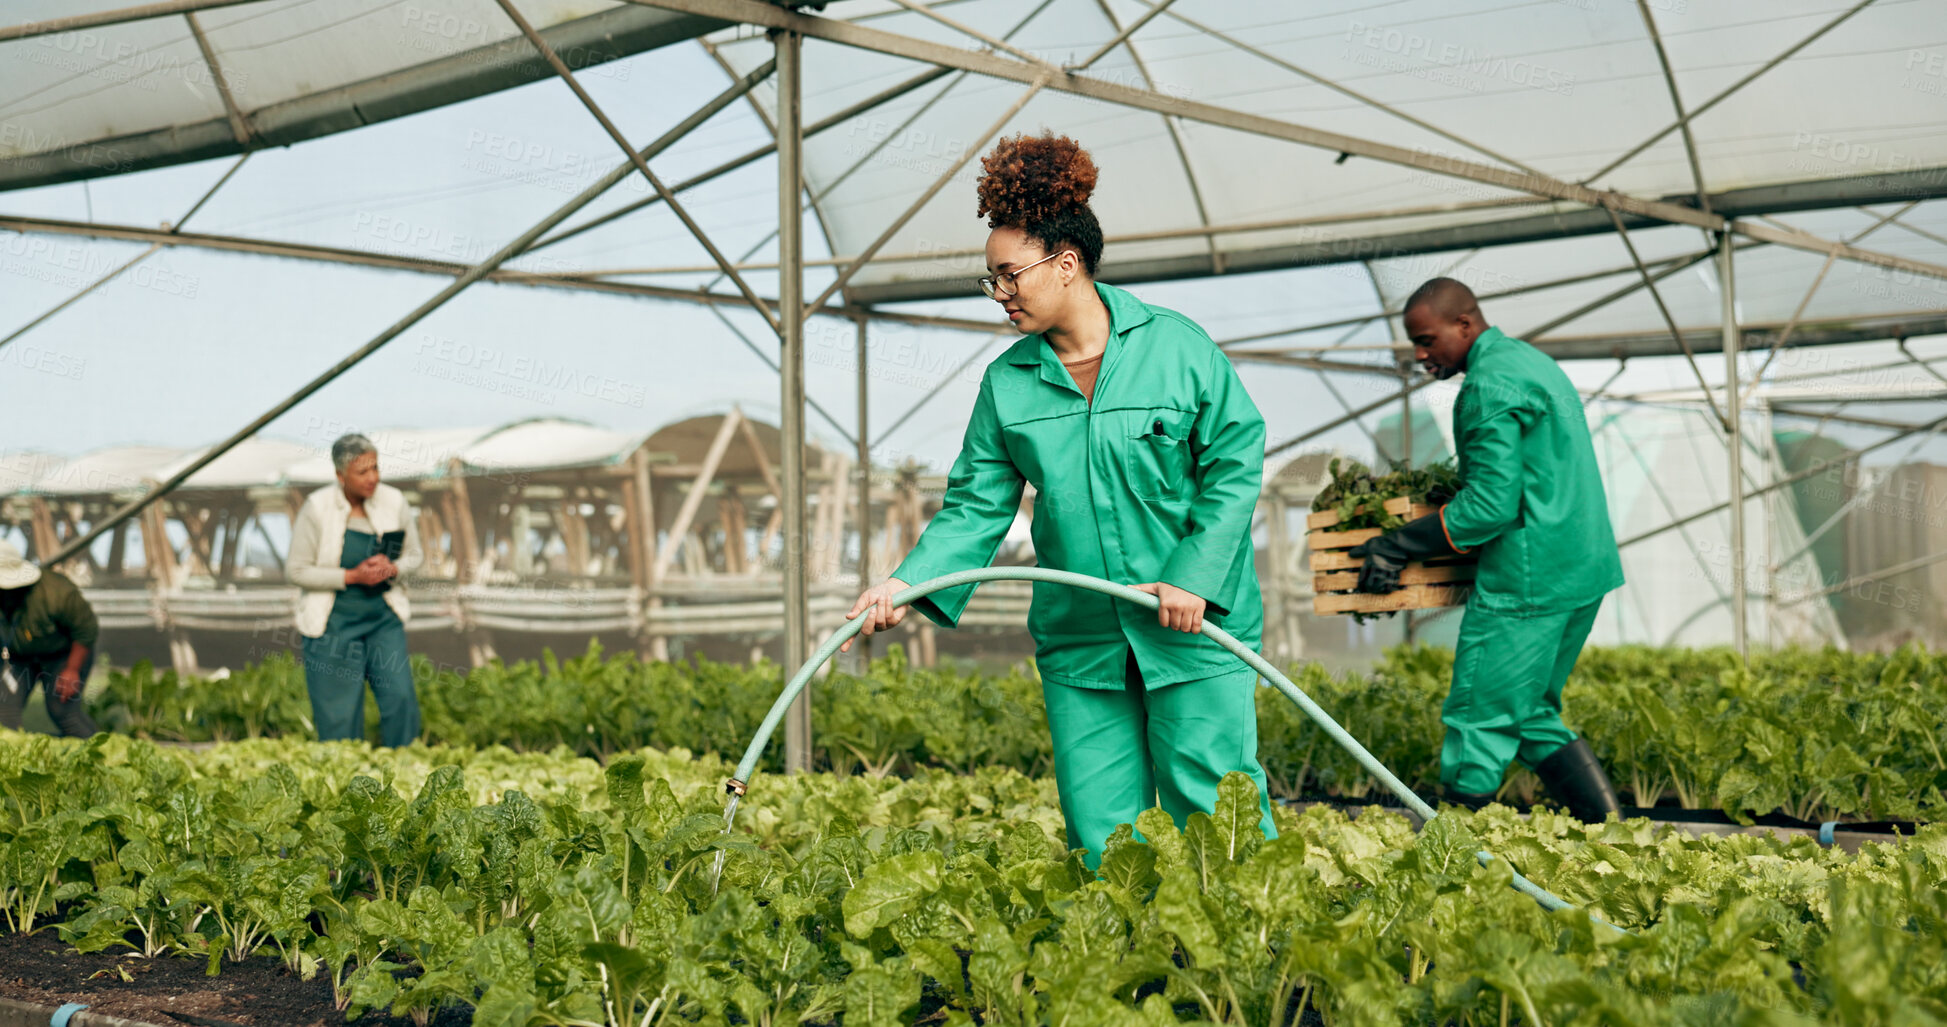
(1506, 700)
(1118, 753)
(337, 665)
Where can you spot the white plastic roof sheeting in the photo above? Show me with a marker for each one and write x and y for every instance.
(138, 94)
(253, 463)
(404, 455)
(546, 444)
(1563, 88)
(106, 471)
(22, 468)
(120, 470)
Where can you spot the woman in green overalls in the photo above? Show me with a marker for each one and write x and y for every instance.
(353, 611)
(1145, 453)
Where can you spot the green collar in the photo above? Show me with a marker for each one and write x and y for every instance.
(1126, 313)
(1490, 338)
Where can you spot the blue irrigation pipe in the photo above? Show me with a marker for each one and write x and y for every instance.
(748, 765)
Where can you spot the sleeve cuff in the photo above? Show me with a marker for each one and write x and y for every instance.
(943, 607)
(945, 616)
(1443, 530)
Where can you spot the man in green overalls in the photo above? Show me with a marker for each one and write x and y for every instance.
(1532, 505)
(1146, 455)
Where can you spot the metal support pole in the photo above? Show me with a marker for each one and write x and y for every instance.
(137, 259)
(758, 352)
(1336, 87)
(1649, 282)
(1734, 439)
(1785, 337)
(239, 123)
(864, 644)
(1864, 579)
(992, 65)
(1346, 418)
(790, 246)
(837, 117)
(1392, 311)
(1816, 467)
(1122, 36)
(1406, 454)
(1684, 120)
(641, 164)
(1405, 416)
(77, 297)
(98, 19)
(1169, 123)
(471, 275)
(865, 257)
(945, 380)
(447, 268)
(1676, 102)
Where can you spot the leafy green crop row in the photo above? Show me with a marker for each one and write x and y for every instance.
(546, 889)
(896, 718)
(1818, 734)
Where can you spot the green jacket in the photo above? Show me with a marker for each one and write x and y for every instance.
(1533, 502)
(54, 617)
(1156, 481)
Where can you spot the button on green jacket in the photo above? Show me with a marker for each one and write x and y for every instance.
(1533, 502)
(1156, 482)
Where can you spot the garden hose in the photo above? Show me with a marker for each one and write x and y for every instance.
(748, 765)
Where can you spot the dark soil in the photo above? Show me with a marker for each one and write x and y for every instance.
(170, 990)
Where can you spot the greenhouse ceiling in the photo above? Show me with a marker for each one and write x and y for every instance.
(1234, 136)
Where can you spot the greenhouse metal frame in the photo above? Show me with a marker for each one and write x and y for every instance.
(1733, 220)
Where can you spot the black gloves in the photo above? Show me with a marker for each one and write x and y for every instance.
(1389, 554)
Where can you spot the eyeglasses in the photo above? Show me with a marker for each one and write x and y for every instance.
(1003, 284)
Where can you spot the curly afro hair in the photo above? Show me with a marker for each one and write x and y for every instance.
(1041, 185)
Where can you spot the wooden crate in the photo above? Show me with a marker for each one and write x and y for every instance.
(1412, 574)
(1412, 597)
(1396, 505)
(1428, 585)
(1323, 537)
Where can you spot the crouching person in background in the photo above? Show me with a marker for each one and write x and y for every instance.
(47, 640)
(353, 609)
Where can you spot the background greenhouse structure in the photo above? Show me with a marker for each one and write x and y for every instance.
(1729, 222)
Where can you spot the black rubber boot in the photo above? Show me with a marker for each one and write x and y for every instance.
(1575, 778)
(1469, 800)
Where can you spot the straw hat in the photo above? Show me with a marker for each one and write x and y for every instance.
(15, 571)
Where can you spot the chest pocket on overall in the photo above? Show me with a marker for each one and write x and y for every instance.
(1157, 455)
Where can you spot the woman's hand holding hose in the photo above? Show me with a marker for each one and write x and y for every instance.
(877, 599)
(1177, 610)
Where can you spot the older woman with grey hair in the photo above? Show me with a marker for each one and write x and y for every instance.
(352, 611)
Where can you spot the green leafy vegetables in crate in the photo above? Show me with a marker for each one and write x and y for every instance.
(1354, 485)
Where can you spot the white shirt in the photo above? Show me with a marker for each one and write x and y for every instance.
(318, 543)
